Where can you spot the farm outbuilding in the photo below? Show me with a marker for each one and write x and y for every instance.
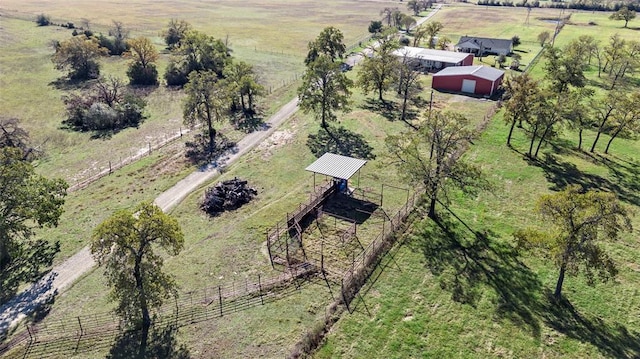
(477, 80)
(430, 59)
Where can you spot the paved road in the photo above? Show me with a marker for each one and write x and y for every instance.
(66, 273)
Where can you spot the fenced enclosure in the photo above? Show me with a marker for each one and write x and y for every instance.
(91, 333)
(332, 239)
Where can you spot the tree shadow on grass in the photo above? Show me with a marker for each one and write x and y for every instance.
(387, 109)
(248, 121)
(66, 84)
(162, 344)
(562, 174)
(341, 141)
(198, 152)
(613, 340)
(469, 262)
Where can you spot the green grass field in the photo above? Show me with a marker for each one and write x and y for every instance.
(409, 310)
(254, 29)
(406, 310)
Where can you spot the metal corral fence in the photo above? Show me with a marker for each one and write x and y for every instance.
(89, 333)
(364, 264)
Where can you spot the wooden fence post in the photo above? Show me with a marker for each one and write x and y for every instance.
(260, 289)
(220, 298)
(269, 250)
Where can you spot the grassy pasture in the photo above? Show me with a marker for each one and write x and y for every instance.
(408, 313)
(231, 246)
(271, 35)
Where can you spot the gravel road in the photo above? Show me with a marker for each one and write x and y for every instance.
(66, 273)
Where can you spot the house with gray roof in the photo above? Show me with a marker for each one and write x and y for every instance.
(482, 46)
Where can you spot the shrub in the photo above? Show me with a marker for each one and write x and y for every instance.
(87, 113)
(43, 20)
(175, 75)
(142, 76)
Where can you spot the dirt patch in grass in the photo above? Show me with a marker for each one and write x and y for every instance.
(276, 140)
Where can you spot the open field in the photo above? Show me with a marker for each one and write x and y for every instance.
(405, 311)
(230, 246)
(502, 307)
(271, 35)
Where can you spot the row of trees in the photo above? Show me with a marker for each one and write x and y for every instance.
(564, 100)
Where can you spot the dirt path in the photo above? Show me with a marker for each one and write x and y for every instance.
(66, 273)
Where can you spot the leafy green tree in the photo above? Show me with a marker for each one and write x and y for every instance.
(613, 51)
(414, 5)
(500, 60)
(432, 29)
(626, 119)
(521, 95)
(378, 72)
(408, 80)
(443, 43)
(563, 70)
(175, 32)
(623, 14)
(604, 109)
(120, 35)
(207, 100)
(515, 61)
(324, 90)
(418, 34)
(431, 157)
(579, 114)
(142, 71)
(548, 115)
(329, 43)
(79, 56)
(407, 21)
(125, 244)
(27, 201)
(198, 52)
(626, 64)
(515, 40)
(375, 27)
(544, 37)
(242, 81)
(580, 221)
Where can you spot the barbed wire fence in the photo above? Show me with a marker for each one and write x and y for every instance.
(89, 333)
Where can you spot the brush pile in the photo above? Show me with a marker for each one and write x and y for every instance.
(227, 196)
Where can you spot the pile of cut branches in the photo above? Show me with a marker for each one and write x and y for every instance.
(227, 196)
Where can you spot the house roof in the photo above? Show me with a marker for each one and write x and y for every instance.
(486, 42)
(338, 166)
(483, 72)
(431, 54)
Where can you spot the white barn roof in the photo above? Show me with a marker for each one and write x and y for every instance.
(431, 54)
(338, 166)
(483, 72)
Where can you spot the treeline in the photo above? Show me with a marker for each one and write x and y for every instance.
(557, 4)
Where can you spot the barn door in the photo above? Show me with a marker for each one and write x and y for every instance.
(469, 86)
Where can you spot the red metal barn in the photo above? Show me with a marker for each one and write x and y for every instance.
(477, 80)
